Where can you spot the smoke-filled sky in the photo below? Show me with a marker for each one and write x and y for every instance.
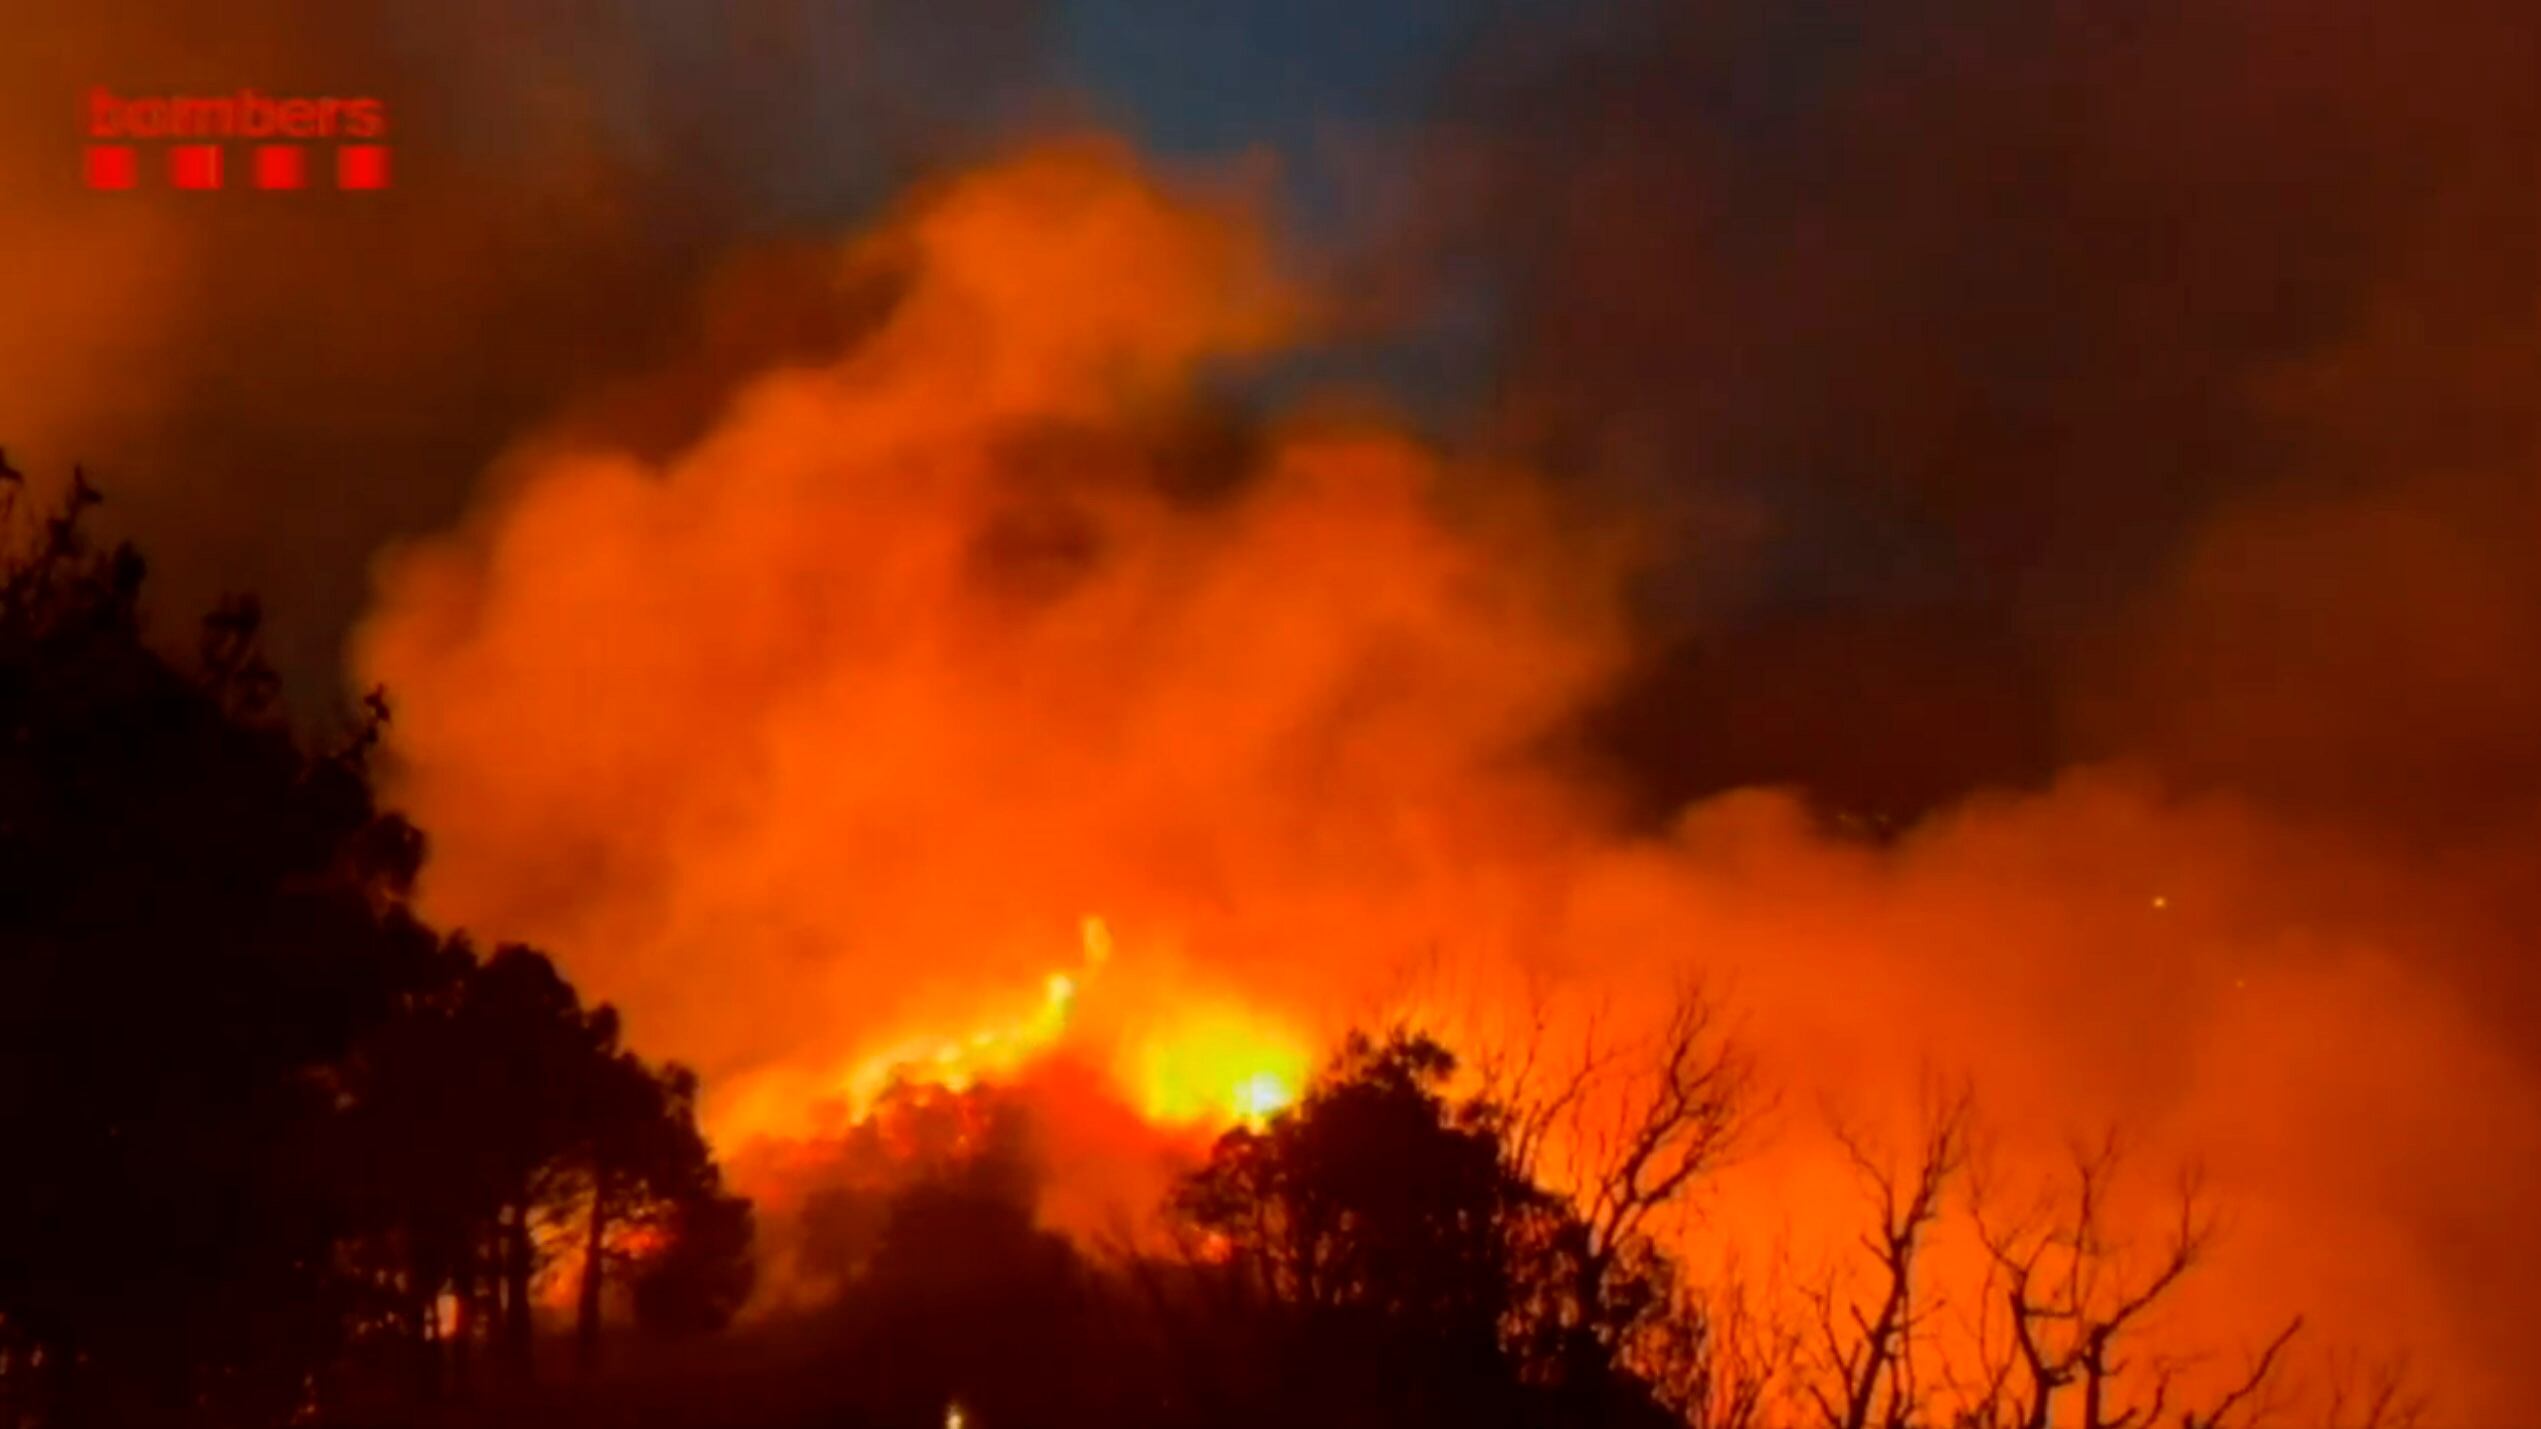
(2001, 532)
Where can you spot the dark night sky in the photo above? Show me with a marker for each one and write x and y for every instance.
(1225, 76)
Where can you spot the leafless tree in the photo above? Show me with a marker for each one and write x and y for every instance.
(1630, 1125)
(2047, 1321)
(2074, 1295)
(1861, 1370)
(1718, 1354)
(2371, 1396)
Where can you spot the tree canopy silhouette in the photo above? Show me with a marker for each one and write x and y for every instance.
(259, 1118)
(1400, 1268)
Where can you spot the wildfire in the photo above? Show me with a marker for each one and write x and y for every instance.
(1204, 1064)
(923, 651)
(1262, 1096)
(1218, 1065)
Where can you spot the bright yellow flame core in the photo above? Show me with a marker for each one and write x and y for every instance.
(1216, 1065)
(1262, 1095)
(1209, 1063)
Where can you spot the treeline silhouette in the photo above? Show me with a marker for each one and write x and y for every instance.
(1370, 1258)
(279, 1153)
(273, 1146)
(1387, 1255)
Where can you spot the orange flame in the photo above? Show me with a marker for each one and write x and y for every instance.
(1197, 1063)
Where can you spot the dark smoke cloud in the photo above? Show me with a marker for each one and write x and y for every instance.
(2042, 388)
(2163, 376)
(271, 386)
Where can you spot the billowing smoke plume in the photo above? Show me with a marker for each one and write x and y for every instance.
(824, 735)
(269, 385)
(927, 654)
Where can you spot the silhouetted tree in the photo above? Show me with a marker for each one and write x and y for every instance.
(1385, 1262)
(2054, 1332)
(256, 1115)
(697, 1279)
(654, 1202)
(1632, 1125)
(199, 918)
(953, 1297)
(515, 1134)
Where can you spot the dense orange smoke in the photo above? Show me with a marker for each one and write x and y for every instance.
(268, 386)
(949, 704)
(919, 671)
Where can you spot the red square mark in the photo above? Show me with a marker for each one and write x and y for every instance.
(195, 166)
(280, 166)
(361, 166)
(112, 166)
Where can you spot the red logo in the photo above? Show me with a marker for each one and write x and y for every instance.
(191, 134)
